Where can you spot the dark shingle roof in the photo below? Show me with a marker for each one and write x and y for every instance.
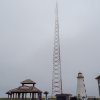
(28, 81)
(23, 89)
(98, 77)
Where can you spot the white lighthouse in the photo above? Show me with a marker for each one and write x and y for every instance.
(81, 89)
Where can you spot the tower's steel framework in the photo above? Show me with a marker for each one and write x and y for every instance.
(57, 77)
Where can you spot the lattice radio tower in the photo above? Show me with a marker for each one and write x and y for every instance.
(57, 77)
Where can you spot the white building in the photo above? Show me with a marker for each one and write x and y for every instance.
(81, 89)
(98, 79)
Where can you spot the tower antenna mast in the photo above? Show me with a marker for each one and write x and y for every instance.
(57, 77)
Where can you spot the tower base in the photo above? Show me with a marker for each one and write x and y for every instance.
(63, 96)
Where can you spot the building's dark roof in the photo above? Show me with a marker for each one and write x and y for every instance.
(98, 77)
(24, 89)
(10, 91)
(80, 75)
(63, 94)
(46, 92)
(28, 81)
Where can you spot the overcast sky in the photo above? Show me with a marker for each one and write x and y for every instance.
(26, 43)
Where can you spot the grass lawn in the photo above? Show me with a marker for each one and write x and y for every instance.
(44, 99)
(27, 99)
